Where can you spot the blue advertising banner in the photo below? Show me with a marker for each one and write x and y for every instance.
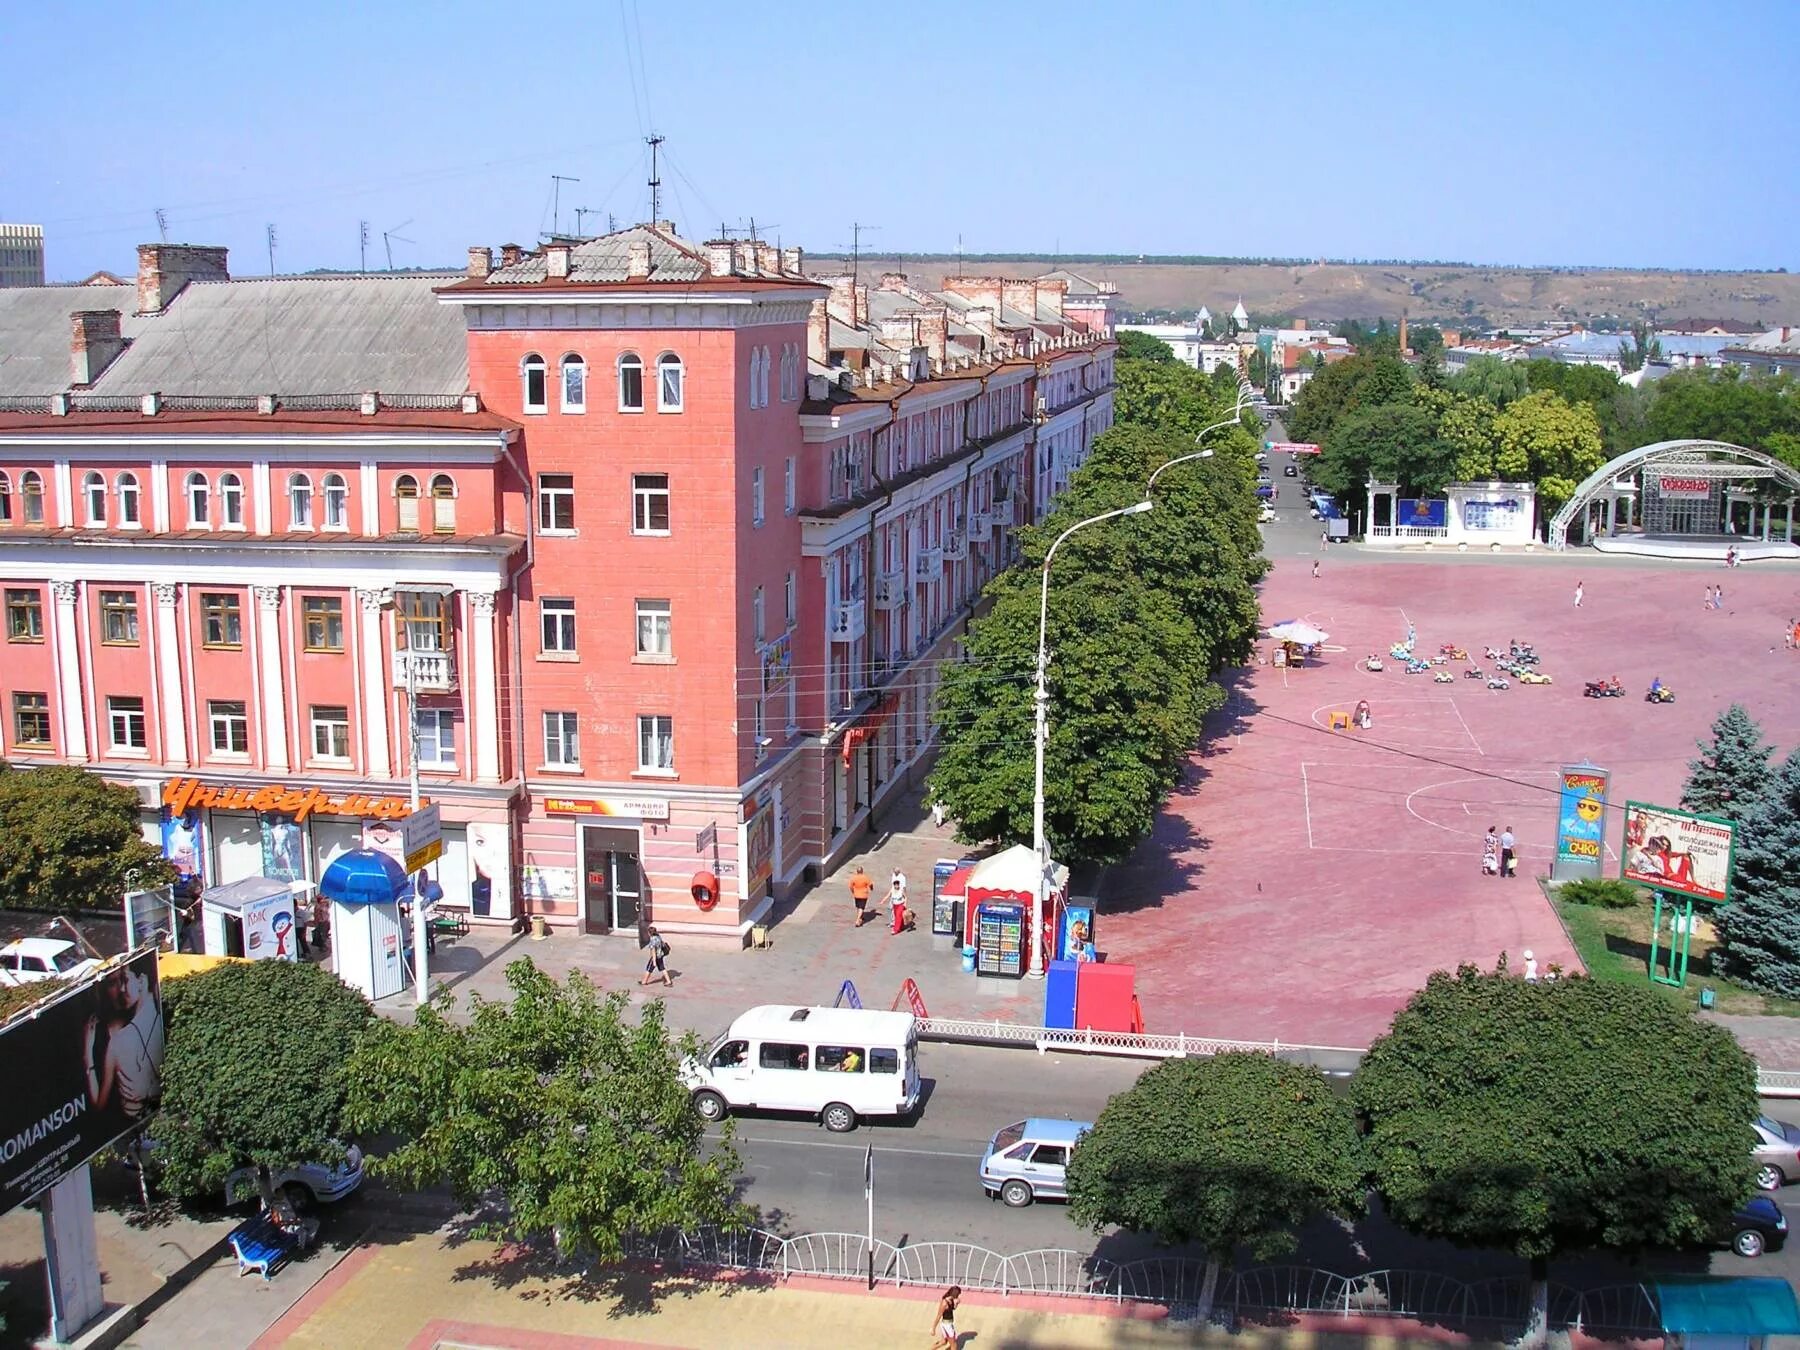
(1414, 511)
(1581, 822)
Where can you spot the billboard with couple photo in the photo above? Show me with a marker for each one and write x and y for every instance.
(1678, 851)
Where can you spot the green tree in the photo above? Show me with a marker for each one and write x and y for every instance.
(1549, 442)
(1234, 1150)
(1344, 386)
(1427, 340)
(555, 1101)
(1732, 770)
(1136, 346)
(1598, 388)
(254, 1071)
(1761, 926)
(1556, 1117)
(1489, 377)
(1723, 405)
(1258, 369)
(1394, 442)
(1174, 398)
(70, 840)
(1465, 425)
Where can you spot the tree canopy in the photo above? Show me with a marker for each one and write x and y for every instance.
(1341, 388)
(70, 840)
(558, 1102)
(1732, 770)
(1761, 926)
(1136, 346)
(1547, 441)
(254, 1070)
(1497, 381)
(1392, 442)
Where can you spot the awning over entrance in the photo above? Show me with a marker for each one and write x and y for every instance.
(865, 730)
(1750, 1306)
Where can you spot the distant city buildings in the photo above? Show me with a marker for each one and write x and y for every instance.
(21, 255)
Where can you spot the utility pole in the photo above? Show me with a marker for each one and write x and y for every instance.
(653, 140)
(857, 230)
(557, 180)
(421, 973)
(362, 245)
(271, 236)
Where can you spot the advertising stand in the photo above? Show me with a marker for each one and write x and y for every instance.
(254, 918)
(1682, 857)
(1011, 877)
(1000, 938)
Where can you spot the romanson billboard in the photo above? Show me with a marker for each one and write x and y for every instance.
(82, 1071)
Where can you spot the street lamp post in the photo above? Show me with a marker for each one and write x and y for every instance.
(1236, 416)
(1040, 845)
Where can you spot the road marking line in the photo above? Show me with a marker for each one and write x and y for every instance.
(859, 1148)
(1306, 804)
(1465, 727)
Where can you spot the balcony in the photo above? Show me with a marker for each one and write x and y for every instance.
(928, 562)
(890, 590)
(980, 526)
(1006, 512)
(427, 672)
(956, 546)
(848, 620)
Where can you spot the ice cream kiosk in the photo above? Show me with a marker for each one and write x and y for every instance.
(999, 895)
(254, 918)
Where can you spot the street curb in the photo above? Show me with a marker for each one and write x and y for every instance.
(115, 1326)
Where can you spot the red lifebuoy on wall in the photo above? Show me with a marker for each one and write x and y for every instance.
(706, 890)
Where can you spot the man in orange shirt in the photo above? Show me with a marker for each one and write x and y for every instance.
(862, 886)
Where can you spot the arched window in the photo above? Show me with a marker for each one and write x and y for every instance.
(231, 501)
(199, 517)
(128, 499)
(300, 501)
(5, 499)
(337, 502)
(669, 383)
(31, 489)
(534, 376)
(93, 498)
(755, 371)
(631, 383)
(443, 504)
(574, 384)
(406, 497)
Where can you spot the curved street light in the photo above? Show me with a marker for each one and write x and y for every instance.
(1040, 845)
(1236, 417)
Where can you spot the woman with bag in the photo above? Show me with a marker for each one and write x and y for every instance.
(654, 964)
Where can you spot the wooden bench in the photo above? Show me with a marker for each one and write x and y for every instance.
(449, 922)
(261, 1246)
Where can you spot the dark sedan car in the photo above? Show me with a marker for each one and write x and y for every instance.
(1291, 471)
(1758, 1227)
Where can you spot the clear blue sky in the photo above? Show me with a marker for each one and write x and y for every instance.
(1654, 134)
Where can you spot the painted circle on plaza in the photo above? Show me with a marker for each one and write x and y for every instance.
(1466, 804)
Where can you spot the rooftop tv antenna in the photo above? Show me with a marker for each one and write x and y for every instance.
(653, 140)
(162, 224)
(857, 230)
(388, 238)
(362, 245)
(581, 211)
(754, 227)
(269, 230)
(557, 180)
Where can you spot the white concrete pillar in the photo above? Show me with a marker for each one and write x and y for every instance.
(1790, 520)
(168, 673)
(68, 668)
(484, 711)
(377, 679)
(274, 695)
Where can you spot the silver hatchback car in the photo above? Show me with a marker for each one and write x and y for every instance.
(1776, 1151)
(1029, 1160)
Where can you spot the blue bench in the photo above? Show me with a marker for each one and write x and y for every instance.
(261, 1246)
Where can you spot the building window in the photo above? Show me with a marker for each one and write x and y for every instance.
(556, 620)
(126, 716)
(300, 501)
(231, 501)
(574, 384)
(556, 502)
(787, 600)
(669, 383)
(406, 500)
(323, 621)
(31, 719)
(31, 488)
(755, 361)
(221, 620)
(436, 728)
(230, 725)
(5, 499)
(24, 615)
(337, 502)
(649, 503)
(128, 500)
(199, 504)
(562, 742)
(787, 486)
(330, 732)
(93, 498)
(654, 633)
(756, 616)
(424, 619)
(534, 377)
(119, 618)
(631, 383)
(756, 496)
(443, 504)
(656, 744)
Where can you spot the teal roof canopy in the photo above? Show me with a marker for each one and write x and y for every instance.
(1748, 1306)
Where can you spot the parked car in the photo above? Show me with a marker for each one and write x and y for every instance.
(1029, 1160)
(1291, 472)
(1264, 516)
(1529, 676)
(1758, 1227)
(1776, 1152)
(303, 1184)
(29, 960)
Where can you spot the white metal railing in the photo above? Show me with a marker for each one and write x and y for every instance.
(1778, 1082)
(980, 527)
(1144, 1045)
(928, 562)
(890, 590)
(848, 621)
(435, 671)
(956, 546)
(1006, 512)
(1409, 532)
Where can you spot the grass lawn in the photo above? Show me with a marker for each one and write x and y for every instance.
(1615, 945)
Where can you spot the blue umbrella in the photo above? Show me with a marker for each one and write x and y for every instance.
(364, 876)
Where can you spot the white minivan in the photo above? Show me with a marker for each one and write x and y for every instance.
(839, 1064)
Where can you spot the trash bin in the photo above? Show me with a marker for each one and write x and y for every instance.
(968, 960)
(539, 928)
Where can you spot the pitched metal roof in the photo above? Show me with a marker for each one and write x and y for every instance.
(34, 332)
(606, 259)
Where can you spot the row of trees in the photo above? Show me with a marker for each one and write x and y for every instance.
(1144, 612)
(69, 840)
(1540, 1118)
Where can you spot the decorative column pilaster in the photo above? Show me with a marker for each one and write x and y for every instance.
(274, 692)
(168, 668)
(68, 668)
(376, 682)
(484, 714)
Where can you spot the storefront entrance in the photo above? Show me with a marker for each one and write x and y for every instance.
(612, 888)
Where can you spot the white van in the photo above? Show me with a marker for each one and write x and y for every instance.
(840, 1064)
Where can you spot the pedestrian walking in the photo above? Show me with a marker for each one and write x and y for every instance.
(1793, 637)
(656, 962)
(1718, 597)
(1509, 862)
(1707, 603)
(862, 886)
(896, 896)
(1490, 853)
(1578, 595)
(944, 1326)
(1530, 967)
(1315, 568)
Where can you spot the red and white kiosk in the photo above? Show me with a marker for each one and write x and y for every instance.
(1000, 891)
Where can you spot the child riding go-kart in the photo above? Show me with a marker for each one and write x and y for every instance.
(1444, 677)
(1612, 688)
(1373, 663)
(1498, 682)
(1474, 673)
(1659, 692)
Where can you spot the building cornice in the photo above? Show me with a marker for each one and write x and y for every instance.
(486, 313)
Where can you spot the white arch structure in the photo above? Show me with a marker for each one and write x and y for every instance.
(1694, 459)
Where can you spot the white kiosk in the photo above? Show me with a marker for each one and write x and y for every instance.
(254, 918)
(369, 945)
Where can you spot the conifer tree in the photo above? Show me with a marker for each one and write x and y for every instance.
(1761, 926)
(1732, 770)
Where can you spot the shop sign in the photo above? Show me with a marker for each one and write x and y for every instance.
(182, 795)
(423, 833)
(1683, 487)
(777, 662)
(644, 808)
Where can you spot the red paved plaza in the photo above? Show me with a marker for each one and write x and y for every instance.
(1304, 882)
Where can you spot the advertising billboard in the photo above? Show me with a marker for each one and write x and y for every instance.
(1678, 851)
(1669, 485)
(83, 1070)
(1424, 514)
(1580, 822)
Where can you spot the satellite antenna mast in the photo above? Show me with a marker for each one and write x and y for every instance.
(581, 211)
(362, 245)
(162, 224)
(557, 180)
(653, 140)
(270, 231)
(856, 234)
(389, 236)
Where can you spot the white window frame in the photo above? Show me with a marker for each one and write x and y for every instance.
(300, 501)
(329, 725)
(231, 501)
(789, 487)
(759, 619)
(630, 361)
(666, 365)
(572, 363)
(556, 626)
(122, 718)
(529, 365)
(562, 740)
(643, 499)
(337, 502)
(656, 735)
(441, 739)
(653, 630)
(130, 501)
(757, 505)
(443, 504)
(93, 500)
(406, 504)
(233, 725)
(563, 492)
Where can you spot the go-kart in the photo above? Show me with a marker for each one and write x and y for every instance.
(1417, 667)
(1443, 677)
(1603, 689)
(1529, 676)
(1400, 651)
(1374, 663)
(1525, 658)
(1474, 673)
(1440, 660)
(1523, 650)
(1662, 695)
(1498, 682)
(1492, 654)
(1454, 653)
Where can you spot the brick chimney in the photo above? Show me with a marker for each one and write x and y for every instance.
(93, 344)
(637, 260)
(843, 300)
(744, 257)
(894, 281)
(898, 331)
(719, 257)
(934, 333)
(510, 255)
(163, 269)
(481, 262)
(818, 333)
(768, 260)
(791, 259)
(556, 260)
(1053, 293)
(1020, 295)
(861, 294)
(980, 290)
